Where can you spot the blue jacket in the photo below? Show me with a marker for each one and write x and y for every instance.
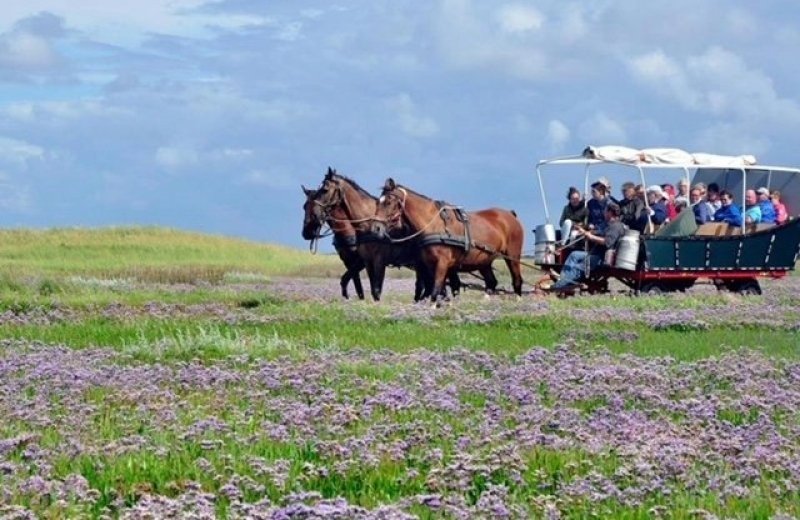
(730, 214)
(659, 215)
(701, 214)
(597, 209)
(768, 215)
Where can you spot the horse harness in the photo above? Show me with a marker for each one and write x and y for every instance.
(449, 214)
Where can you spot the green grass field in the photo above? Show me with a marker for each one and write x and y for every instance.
(161, 308)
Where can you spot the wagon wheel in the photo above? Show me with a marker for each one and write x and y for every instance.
(653, 288)
(749, 287)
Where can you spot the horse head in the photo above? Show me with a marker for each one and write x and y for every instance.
(313, 218)
(389, 213)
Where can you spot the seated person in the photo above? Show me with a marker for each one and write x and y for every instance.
(752, 211)
(669, 200)
(768, 215)
(597, 206)
(683, 191)
(728, 211)
(700, 208)
(781, 215)
(631, 208)
(575, 267)
(657, 213)
(713, 200)
(575, 210)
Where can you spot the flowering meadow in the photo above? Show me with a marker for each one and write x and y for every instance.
(261, 397)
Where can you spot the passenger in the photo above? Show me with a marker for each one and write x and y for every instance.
(669, 197)
(575, 210)
(728, 212)
(631, 208)
(575, 267)
(699, 206)
(597, 206)
(781, 215)
(680, 206)
(752, 212)
(658, 205)
(768, 215)
(683, 191)
(714, 198)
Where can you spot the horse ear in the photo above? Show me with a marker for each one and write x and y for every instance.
(390, 184)
(305, 190)
(331, 173)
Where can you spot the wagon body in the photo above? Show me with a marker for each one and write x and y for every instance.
(676, 256)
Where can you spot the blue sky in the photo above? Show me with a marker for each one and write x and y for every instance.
(209, 115)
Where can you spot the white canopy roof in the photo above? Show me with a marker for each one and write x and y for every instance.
(673, 156)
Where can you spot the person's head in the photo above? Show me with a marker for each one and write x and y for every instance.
(654, 193)
(683, 187)
(725, 197)
(574, 196)
(701, 187)
(775, 196)
(763, 194)
(750, 197)
(713, 192)
(629, 190)
(640, 191)
(612, 211)
(599, 191)
(669, 191)
(695, 195)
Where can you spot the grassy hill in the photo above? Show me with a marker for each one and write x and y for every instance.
(151, 254)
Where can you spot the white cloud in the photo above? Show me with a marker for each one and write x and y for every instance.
(175, 158)
(270, 179)
(517, 18)
(601, 129)
(22, 50)
(716, 82)
(19, 152)
(411, 121)
(558, 135)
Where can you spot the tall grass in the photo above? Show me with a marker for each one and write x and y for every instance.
(150, 254)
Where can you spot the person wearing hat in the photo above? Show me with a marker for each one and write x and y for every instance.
(631, 208)
(600, 241)
(768, 215)
(658, 205)
(597, 205)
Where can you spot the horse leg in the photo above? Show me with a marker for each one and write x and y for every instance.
(455, 283)
(372, 283)
(357, 282)
(489, 279)
(439, 277)
(516, 275)
(343, 283)
(380, 273)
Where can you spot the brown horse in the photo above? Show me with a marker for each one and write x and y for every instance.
(350, 211)
(451, 239)
(344, 240)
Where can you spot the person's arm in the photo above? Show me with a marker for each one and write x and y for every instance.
(563, 216)
(594, 238)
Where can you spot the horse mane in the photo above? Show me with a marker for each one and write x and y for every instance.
(425, 197)
(355, 185)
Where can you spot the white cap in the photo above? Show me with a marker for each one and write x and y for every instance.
(655, 188)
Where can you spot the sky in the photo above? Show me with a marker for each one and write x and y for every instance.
(209, 115)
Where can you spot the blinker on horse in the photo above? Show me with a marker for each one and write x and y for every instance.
(452, 240)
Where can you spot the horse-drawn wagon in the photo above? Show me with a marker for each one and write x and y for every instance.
(679, 253)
